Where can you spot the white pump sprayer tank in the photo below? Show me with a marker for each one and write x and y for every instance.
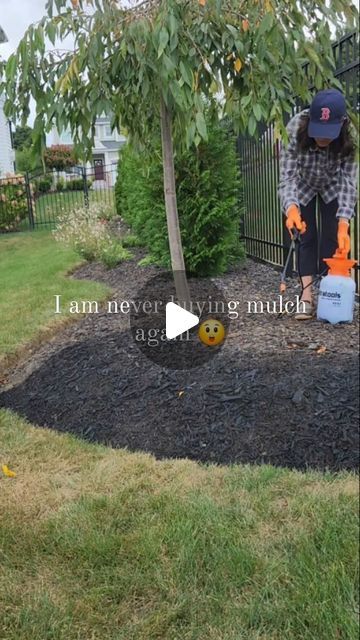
(337, 291)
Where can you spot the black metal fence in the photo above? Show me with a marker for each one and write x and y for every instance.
(37, 200)
(262, 228)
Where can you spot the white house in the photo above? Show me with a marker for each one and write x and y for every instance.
(105, 153)
(7, 154)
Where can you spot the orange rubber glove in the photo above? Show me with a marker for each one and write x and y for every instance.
(343, 237)
(293, 219)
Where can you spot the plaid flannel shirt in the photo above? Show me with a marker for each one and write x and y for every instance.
(303, 174)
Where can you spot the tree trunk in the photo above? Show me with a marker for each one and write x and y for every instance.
(176, 250)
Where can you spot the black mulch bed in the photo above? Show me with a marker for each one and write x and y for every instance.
(279, 392)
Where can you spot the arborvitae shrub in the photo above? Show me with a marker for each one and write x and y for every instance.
(208, 197)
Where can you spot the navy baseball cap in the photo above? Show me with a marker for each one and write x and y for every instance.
(327, 114)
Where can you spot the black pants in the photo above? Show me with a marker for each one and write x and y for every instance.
(311, 252)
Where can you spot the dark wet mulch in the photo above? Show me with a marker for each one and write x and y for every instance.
(279, 392)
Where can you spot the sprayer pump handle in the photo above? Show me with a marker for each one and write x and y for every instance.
(295, 233)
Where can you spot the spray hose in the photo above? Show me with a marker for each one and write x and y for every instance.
(295, 238)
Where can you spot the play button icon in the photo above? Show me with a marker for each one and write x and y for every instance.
(167, 333)
(178, 320)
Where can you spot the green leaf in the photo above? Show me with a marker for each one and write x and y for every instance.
(245, 100)
(39, 38)
(201, 125)
(177, 93)
(257, 111)
(163, 40)
(251, 124)
(270, 57)
(264, 112)
(314, 57)
(190, 134)
(233, 30)
(145, 86)
(168, 64)
(174, 40)
(51, 32)
(186, 74)
(123, 49)
(318, 81)
(198, 102)
(172, 24)
(239, 46)
(11, 66)
(266, 23)
(49, 8)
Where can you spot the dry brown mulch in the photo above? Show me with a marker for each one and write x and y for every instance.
(279, 392)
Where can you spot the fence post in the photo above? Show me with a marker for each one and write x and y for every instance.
(86, 190)
(29, 200)
(241, 191)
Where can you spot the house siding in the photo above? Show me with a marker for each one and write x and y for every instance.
(106, 146)
(7, 156)
(6, 151)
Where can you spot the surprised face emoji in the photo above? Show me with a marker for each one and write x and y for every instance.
(211, 332)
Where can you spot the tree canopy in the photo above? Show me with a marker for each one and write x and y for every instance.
(163, 61)
(22, 138)
(59, 157)
(125, 57)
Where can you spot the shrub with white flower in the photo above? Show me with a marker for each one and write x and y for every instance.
(85, 230)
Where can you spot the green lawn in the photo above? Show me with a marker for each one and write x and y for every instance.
(33, 270)
(102, 544)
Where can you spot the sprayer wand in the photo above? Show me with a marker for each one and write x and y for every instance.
(295, 236)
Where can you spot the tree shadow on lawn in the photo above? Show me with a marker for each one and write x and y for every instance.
(294, 409)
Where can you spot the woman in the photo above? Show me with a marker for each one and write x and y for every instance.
(319, 161)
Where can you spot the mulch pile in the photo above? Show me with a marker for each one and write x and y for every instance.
(280, 391)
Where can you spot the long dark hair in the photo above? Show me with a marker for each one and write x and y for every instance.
(343, 145)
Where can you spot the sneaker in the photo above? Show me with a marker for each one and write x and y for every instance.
(307, 312)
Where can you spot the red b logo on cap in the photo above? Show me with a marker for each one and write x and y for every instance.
(325, 113)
